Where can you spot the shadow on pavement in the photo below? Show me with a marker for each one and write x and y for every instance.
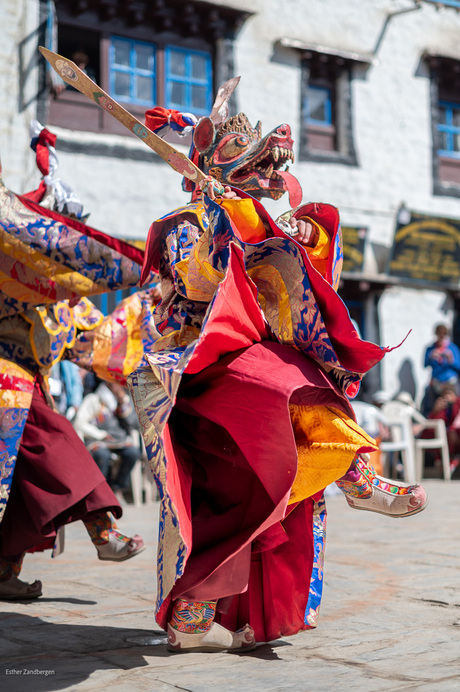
(44, 657)
(267, 652)
(76, 601)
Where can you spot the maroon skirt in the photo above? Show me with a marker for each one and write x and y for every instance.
(234, 455)
(56, 481)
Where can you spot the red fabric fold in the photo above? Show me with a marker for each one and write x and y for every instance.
(276, 599)
(36, 195)
(45, 137)
(232, 459)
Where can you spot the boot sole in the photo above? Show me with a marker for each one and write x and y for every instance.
(124, 557)
(386, 514)
(18, 597)
(210, 649)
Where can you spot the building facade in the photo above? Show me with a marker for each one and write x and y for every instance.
(371, 90)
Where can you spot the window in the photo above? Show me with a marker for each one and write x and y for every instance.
(188, 80)
(449, 129)
(132, 71)
(445, 114)
(143, 54)
(319, 117)
(187, 76)
(318, 106)
(326, 116)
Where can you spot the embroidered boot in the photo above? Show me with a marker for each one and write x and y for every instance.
(110, 544)
(12, 588)
(192, 628)
(364, 489)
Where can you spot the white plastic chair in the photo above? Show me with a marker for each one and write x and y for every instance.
(439, 441)
(401, 418)
(399, 422)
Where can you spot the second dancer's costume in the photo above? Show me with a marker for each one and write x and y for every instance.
(244, 406)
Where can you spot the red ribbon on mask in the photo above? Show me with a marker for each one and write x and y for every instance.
(39, 145)
(158, 117)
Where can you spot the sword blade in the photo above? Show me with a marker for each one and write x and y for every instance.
(74, 76)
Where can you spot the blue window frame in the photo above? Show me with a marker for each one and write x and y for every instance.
(317, 106)
(449, 129)
(188, 80)
(448, 3)
(132, 71)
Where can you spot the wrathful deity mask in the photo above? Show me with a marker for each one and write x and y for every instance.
(232, 151)
(236, 154)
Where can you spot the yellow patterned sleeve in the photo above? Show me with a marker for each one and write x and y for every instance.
(320, 252)
(244, 216)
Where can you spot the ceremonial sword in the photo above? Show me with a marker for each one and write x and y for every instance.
(74, 76)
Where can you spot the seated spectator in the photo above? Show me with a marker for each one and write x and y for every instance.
(443, 357)
(90, 383)
(105, 420)
(447, 408)
(66, 387)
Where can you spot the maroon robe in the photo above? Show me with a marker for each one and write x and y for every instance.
(56, 481)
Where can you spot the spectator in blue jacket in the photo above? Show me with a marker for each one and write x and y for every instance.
(443, 357)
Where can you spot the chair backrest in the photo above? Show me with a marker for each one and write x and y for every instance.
(394, 411)
(399, 421)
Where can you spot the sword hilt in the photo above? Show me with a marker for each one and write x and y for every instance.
(209, 182)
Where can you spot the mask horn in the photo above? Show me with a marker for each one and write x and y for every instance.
(219, 111)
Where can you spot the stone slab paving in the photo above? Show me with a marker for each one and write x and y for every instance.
(390, 617)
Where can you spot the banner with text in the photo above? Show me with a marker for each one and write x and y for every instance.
(426, 248)
(353, 249)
